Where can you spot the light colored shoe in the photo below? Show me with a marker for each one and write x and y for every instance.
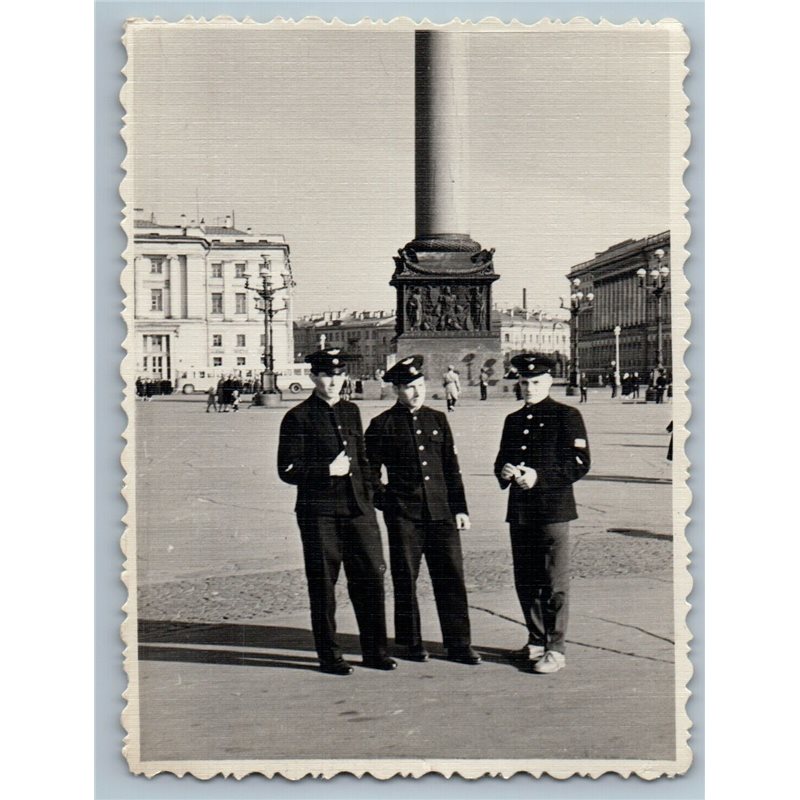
(530, 652)
(552, 661)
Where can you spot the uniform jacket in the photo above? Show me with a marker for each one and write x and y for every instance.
(418, 452)
(551, 438)
(308, 444)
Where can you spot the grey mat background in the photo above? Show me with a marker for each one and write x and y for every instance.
(112, 779)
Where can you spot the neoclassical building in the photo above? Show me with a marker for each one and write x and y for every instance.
(193, 319)
(620, 281)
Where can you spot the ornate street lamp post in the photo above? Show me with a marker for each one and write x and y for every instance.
(656, 282)
(578, 302)
(266, 292)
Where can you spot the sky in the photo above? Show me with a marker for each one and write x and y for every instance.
(310, 134)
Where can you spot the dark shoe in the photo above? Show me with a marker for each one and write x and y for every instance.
(338, 667)
(463, 655)
(414, 653)
(379, 662)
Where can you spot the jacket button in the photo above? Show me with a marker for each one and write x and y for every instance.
(344, 441)
(424, 463)
(526, 431)
(435, 432)
(522, 463)
(427, 477)
(530, 416)
(419, 433)
(541, 424)
(422, 447)
(524, 447)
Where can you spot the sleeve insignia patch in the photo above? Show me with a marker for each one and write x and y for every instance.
(580, 443)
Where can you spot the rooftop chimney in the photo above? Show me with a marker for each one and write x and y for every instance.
(228, 221)
(524, 298)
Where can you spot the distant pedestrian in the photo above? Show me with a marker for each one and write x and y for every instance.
(220, 393)
(583, 383)
(612, 379)
(669, 449)
(452, 387)
(211, 399)
(140, 388)
(661, 387)
(235, 399)
(626, 385)
(635, 384)
(483, 382)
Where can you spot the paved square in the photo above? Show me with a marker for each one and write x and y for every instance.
(222, 595)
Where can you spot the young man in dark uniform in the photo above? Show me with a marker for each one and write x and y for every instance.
(544, 450)
(321, 451)
(424, 508)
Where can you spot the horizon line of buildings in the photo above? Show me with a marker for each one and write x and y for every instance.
(194, 320)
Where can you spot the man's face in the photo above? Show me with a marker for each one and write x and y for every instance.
(535, 389)
(411, 395)
(327, 386)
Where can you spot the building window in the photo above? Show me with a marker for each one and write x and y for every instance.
(240, 361)
(240, 270)
(507, 337)
(157, 265)
(240, 340)
(241, 303)
(216, 270)
(216, 302)
(216, 340)
(217, 361)
(156, 299)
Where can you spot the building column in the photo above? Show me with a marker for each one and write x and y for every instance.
(228, 292)
(175, 288)
(141, 303)
(441, 132)
(196, 287)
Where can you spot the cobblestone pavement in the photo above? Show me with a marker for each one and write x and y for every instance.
(217, 538)
(261, 594)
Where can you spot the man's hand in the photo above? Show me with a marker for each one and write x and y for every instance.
(462, 522)
(509, 472)
(527, 477)
(340, 465)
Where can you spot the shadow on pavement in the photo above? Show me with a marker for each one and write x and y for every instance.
(167, 640)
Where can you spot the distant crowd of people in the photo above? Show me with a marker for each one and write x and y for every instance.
(147, 388)
(629, 385)
(227, 394)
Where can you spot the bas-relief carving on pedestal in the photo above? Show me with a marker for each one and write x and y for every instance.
(445, 308)
(444, 291)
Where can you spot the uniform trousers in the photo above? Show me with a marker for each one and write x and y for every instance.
(439, 541)
(541, 577)
(329, 542)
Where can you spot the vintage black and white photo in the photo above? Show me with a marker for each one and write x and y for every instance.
(406, 397)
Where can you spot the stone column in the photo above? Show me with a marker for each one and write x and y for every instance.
(228, 291)
(175, 288)
(441, 133)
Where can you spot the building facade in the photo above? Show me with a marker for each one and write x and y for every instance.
(367, 336)
(193, 319)
(621, 300)
(525, 331)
